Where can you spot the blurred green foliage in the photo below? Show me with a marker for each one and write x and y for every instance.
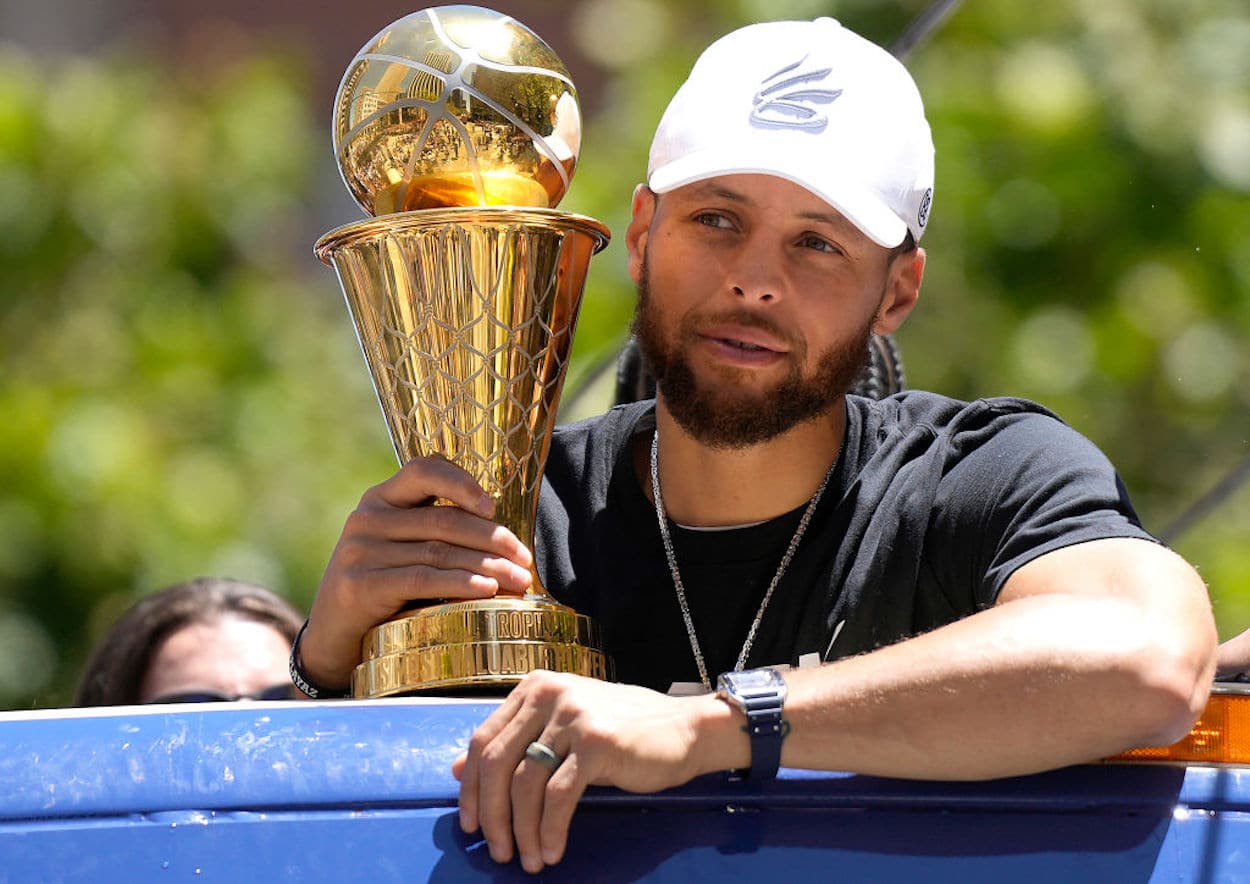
(181, 393)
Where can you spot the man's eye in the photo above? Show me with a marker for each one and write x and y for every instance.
(819, 244)
(713, 219)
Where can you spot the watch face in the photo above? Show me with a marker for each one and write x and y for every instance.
(751, 680)
(757, 678)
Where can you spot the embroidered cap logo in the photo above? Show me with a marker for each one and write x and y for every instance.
(788, 103)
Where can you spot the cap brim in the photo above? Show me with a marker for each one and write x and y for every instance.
(867, 211)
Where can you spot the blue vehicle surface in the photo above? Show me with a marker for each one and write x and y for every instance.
(362, 791)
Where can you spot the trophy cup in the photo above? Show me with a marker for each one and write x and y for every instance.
(458, 129)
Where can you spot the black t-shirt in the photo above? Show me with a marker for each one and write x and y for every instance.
(933, 503)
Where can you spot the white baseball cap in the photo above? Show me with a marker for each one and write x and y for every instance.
(811, 102)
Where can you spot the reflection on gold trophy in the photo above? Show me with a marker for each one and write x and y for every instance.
(459, 129)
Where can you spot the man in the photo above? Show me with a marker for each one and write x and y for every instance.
(971, 576)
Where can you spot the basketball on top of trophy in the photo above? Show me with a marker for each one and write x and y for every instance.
(456, 106)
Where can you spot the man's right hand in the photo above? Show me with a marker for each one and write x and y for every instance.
(396, 547)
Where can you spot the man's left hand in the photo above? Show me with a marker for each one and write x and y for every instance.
(602, 734)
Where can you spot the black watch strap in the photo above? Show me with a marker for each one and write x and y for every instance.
(760, 694)
(767, 729)
(301, 680)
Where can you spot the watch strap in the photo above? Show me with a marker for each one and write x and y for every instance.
(763, 706)
(767, 730)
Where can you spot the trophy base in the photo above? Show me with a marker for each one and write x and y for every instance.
(478, 647)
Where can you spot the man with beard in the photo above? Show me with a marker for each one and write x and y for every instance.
(960, 590)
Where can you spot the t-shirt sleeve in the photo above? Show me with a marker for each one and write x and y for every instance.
(1026, 485)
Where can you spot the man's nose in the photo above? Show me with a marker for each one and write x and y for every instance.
(756, 274)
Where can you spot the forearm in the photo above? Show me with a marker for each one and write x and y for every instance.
(1036, 684)
(1040, 683)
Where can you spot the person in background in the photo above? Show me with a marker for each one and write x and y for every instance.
(204, 640)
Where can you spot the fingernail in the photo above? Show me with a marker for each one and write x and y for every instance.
(521, 575)
(486, 505)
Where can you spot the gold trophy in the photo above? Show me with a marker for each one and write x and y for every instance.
(458, 129)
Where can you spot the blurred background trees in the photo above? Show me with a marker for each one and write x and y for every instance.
(181, 392)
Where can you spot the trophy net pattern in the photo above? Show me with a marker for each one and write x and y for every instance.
(467, 328)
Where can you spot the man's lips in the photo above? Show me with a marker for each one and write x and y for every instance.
(745, 338)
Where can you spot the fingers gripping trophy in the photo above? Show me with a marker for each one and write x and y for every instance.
(458, 130)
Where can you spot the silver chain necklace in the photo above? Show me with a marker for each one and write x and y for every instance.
(681, 589)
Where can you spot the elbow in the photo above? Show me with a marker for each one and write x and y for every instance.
(1175, 678)
(1174, 651)
(1171, 712)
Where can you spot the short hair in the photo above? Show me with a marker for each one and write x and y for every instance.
(907, 245)
(116, 668)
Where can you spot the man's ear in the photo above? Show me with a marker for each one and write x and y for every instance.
(639, 228)
(902, 290)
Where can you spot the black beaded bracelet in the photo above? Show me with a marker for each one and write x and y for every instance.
(301, 680)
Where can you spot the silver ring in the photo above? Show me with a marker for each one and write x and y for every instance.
(544, 755)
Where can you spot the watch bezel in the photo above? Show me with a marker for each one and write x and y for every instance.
(733, 684)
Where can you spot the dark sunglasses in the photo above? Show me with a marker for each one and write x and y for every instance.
(273, 692)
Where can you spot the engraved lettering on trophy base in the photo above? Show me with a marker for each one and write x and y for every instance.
(502, 620)
(477, 645)
(472, 665)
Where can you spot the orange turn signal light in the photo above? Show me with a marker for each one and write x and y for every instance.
(1220, 736)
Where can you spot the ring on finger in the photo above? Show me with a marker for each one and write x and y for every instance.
(544, 755)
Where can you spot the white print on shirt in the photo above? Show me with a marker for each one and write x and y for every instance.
(837, 630)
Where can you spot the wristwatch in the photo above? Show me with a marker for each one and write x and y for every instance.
(760, 694)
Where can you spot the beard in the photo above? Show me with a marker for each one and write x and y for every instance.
(726, 415)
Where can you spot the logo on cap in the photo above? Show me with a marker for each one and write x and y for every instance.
(790, 103)
(922, 217)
